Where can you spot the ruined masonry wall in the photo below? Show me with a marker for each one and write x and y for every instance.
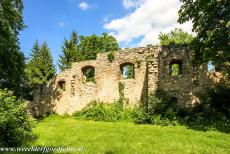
(151, 65)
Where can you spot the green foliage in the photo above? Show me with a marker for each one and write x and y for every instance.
(40, 68)
(128, 71)
(211, 23)
(140, 116)
(121, 87)
(91, 45)
(213, 112)
(70, 52)
(175, 69)
(15, 124)
(108, 43)
(110, 56)
(160, 108)
(100, 111)
(80, 48)
(89, 74)
(11, 59)
(176, 36)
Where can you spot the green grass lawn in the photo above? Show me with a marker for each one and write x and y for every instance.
(124, 137)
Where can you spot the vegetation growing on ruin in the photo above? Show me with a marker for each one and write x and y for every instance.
(99, 111)
(110, 56)
(121, 87)
(161, 108)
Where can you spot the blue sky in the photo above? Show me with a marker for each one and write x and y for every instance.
(52, 20)
(133, 22)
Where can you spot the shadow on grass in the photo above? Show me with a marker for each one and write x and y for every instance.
(218, 126)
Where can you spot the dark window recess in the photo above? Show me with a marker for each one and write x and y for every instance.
(127, 70)
(62, 85)
(88, 74)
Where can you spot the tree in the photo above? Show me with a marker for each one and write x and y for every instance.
(91, 45)
(176, 36)
(80, 48)
(11, 59)
(211, 22)
(40, 68)
(108, 42)
(70, 52)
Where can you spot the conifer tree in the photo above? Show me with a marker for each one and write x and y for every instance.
(40, 68)
(70, 52)
(80, 48)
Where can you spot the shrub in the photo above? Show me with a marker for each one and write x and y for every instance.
(110, 56)
(140, 116)
(15, 124)
(213, 111)
(100, 111)
(160, 108)
(126, 114)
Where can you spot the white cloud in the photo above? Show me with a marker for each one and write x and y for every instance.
(131, 3)
(84, 6)
(149, 19)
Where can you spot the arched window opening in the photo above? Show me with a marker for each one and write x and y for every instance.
(175, 67)
(88, 74)
(62, 85)
(127, 70)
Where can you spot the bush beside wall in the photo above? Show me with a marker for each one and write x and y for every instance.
(161, 108)
(100, 111)
(15, 124)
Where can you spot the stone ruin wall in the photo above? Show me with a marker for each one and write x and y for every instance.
(151, 72)
(185, 86)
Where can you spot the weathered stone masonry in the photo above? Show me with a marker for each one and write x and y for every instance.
(68, 91)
